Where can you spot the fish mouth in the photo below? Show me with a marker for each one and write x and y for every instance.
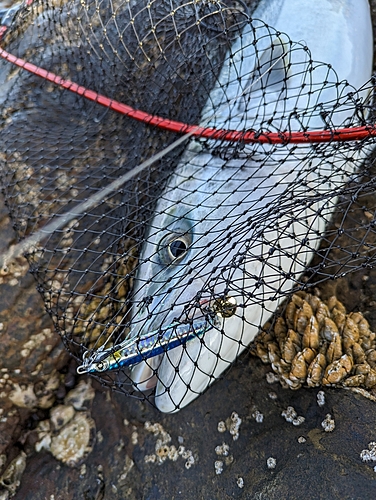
(206, 314)
(149, 342)
(145, 374)
(178, 329)
(154, 340)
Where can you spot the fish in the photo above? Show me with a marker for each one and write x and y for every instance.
(8, 10)
(237, 224)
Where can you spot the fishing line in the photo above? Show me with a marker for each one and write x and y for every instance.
(31, 241)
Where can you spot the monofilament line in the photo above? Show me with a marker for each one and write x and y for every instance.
(31, 241)
(28, 243)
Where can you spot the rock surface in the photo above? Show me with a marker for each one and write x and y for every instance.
(185, 456)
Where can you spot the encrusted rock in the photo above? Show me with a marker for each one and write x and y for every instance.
(11, 478)
(23, 396)
(60, 415)
(75, 440)
(81, 396)
(328, 424)
(317, 343)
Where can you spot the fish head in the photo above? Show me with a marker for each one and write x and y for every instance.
(182, 278)
(167, 286)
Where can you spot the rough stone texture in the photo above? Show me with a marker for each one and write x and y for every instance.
(22, 316)
(326, 466)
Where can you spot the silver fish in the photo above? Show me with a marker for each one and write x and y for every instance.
(227, 228)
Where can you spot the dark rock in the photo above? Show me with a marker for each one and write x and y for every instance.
(327, 465)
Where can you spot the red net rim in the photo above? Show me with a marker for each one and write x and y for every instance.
(309, 136)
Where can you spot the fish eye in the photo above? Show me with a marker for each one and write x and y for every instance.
(173, 248)
(177, 248)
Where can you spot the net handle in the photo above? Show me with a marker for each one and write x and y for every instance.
(251, 136)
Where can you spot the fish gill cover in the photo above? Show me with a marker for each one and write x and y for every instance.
(161, 284)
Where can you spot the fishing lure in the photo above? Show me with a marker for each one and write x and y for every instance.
(134, 350)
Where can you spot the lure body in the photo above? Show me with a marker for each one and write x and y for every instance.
(132, 351)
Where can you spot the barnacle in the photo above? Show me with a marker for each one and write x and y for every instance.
(328, 424)
(164, 450)
(11, 477)
(75, 440)
(316, 343)
(69, 434)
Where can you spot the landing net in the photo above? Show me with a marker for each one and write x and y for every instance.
(159, 284)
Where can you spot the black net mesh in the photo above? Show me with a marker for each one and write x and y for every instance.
(158, 287)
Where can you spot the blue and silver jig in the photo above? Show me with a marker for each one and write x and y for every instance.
(134, 350)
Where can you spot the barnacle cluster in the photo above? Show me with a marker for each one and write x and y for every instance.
(69, 433)
(232, 425)
(317, 343)
(94, 314)
(11, 478)
(328, 424)
(11, 273)
(163, 449)
(291, 416)
(40, 394)
(86, 316)
(369, 455)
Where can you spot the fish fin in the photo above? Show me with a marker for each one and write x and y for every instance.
(272, 68)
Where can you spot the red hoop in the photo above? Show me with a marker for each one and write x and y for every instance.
(314, 136)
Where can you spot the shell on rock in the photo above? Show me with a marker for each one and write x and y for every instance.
(75, 440)
(60, 415)
(81, 396)
(23, 396)
(317, 343)
(69, 434)
(316, 370)
(11, 478)
(40, 394)
(338, 370)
